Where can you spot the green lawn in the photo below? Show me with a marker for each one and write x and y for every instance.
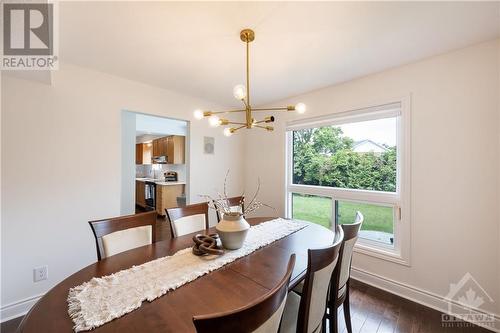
(319, 210)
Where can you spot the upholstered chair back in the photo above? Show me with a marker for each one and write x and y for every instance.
(312, 308)
(350, 237)
(115, 235)
(261, 316)
(188, 219)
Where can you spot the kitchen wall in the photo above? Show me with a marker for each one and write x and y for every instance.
(157, 170)
(455, 175)
(61, 156)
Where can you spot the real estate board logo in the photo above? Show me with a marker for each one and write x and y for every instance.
(29, 39)
(465, 301)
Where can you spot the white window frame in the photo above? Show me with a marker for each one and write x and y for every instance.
(400, 200)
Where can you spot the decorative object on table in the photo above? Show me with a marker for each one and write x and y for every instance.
(242, 93)
(105, 298)
(208, 145)
(206, 245)
(233, 230)
(233, 227)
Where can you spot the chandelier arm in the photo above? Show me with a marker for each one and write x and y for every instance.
(245, 103)
(238, 128)
(268, 128)
(236, 123)
(228, 111)
(285, 108)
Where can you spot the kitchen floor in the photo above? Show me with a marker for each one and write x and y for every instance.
(162, 225)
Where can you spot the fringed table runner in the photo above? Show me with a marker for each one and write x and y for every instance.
(101, 300)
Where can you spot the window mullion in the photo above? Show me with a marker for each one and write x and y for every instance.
(346, 194)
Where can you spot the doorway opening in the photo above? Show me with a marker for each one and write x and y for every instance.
(155, 163)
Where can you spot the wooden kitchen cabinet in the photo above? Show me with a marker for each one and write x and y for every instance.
(176, 149)
(140, 193)
(166, 197)
(138, 153)
(172, 146)
(156, 151)
(143, 153)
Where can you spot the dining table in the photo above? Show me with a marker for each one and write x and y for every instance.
(230, 287)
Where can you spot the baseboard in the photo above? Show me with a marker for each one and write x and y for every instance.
(426, 298)
(18, 309)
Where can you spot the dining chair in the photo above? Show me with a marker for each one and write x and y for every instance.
(261, 316)
(188, 219)
(235, 204)
(118, 234)
(306, 313)
(339, 291)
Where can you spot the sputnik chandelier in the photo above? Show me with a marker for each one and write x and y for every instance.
(242, 93)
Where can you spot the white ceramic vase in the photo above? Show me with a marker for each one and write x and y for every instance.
(232, 230)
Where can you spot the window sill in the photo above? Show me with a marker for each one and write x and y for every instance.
(392, 255)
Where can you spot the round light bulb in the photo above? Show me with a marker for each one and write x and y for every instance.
(198, 114)
(239, 92)
(214, 121)
(300, 108)
(227, 131)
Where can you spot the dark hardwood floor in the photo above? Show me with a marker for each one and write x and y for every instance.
(11, 325)
(372, 310)
(377, 311)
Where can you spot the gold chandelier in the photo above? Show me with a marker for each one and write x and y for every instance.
(243, 94)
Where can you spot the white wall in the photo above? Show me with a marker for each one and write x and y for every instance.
(454, 163)
(61, 166)
(127, 192)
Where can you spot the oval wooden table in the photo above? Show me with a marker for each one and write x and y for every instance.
(229, 287)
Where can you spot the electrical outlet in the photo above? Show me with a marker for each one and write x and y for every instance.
(40, 273)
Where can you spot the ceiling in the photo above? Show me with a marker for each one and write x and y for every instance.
(194, 48)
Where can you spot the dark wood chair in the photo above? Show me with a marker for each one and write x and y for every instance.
(305, 313)
(118, 234)
(233, 202)
(261, 316)
(339, 291)
(188, 219)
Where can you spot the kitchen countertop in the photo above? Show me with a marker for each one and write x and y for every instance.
(160, 181)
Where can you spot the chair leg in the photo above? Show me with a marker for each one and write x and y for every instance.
(347, 310)
(334, 321)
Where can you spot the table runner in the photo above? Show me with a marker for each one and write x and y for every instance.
(103, 299)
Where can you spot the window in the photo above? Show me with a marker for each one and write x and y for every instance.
(349, 162)
(321, 214)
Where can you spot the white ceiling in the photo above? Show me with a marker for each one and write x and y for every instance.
(195, 48)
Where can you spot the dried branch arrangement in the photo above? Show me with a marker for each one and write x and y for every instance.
(221, 203)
